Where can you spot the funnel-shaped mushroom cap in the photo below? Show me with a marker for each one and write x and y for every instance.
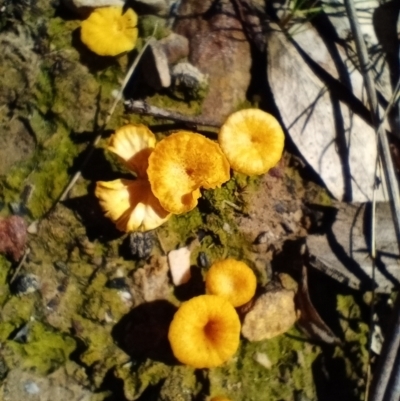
(133, 144)
(130, 204)
(204, 332)
(233, 280)
(252, 141)
(181, 164)
(108, 32)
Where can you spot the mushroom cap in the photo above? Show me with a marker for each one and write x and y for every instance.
(108, 32)
(232, 280)
(204, 332)
(252, 141)
(182, 163)
(133, 143)
(130, 204)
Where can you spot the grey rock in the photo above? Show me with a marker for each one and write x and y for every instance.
(155, 67)
(188, 82)
(343, 253)
(175, 47)
(83, 6)
(156, 7)
(220, 49)
(25, 284)
(141, 244)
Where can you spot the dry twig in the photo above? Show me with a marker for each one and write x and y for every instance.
(392, 342)
(141, 107)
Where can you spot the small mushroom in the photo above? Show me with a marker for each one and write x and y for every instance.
(204, 332)
(108, 32)
(252, 141)
(130, 204)
(180, 165)
(133, 143)
(233, 280)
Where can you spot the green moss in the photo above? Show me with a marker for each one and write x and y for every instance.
(60, 34)
(166, 102)
(244, 379)
(19, 309)
(4, 270)
(102, 301)
(44, 351)
(354, 353)
(147, 24)
(180, 385)
(136, 380)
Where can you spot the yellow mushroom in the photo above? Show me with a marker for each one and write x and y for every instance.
(252, 141)
(180, 165)
(130, 204)
(233, 280)
(204, 332)
(108, 32)
(133, 144)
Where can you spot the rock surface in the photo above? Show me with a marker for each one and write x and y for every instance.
(272, 314)
(219, 48)
(343, 252)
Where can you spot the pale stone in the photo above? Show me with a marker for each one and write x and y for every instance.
(179, 265)
(82, 5)
(272, 314)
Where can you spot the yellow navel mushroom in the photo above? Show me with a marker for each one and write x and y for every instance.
(130, 204)
(252, 141)
(180, 165)
(233, 280)
(133, 143)
(108, 32)
(204, 332)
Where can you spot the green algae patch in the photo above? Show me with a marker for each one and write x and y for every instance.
(19, 309)
(137, 379)
(354, 353)
(180, 385)
(44, 351)
(5, 266)
(98, 349)
(104, 303)
(287, 370)
(46, 171)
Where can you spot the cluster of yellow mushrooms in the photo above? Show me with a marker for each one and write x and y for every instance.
(170, 173)
(205, 331)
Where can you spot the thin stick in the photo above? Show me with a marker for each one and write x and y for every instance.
(392, 342)
(141, 107)
(96, 140)
(20, 264)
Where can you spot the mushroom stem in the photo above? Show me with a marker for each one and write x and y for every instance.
(142, 107)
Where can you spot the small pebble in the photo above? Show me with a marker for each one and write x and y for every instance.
(25, 284)
(202, 260)
(117, 283)
(62, 266)
(141, 244)
(179, 265)
(33, 227)
(263, 359)
(31, 388)
(188, 81)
